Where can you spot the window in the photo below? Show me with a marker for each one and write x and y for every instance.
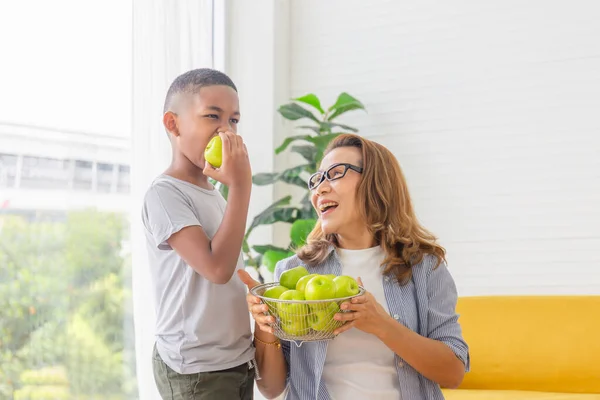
(44, 173)
(66, 321)
(82, 178)
(66, 329)
(123, 184)
(65, 324)
(8, 170)
(105, 177)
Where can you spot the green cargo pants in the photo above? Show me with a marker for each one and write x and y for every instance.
(235, 383)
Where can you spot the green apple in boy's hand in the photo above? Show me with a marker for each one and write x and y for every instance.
(345, 286)
(290, 278)
(292, 311)
(320, 288)
(322, 317)
(213, 153)
(301, 284)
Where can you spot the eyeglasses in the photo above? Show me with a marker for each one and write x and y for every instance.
(336, 171)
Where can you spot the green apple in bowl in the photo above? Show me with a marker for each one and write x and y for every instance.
(292, 311)
(295, 327)
(274, 293)
(322, 317)
(301, 285)
(213, 153)
(320, 287)
(345, 286)
(290, 278)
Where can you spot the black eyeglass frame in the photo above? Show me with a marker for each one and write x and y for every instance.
(325, 174)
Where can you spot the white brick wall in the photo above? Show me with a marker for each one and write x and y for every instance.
(492, 109)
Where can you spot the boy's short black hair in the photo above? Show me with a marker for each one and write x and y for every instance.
(192, 81)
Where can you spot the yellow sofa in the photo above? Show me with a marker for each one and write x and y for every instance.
(531, 347)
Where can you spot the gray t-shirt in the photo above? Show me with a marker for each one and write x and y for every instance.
(200, 326)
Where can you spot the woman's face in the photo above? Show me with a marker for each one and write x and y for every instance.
(335, 200)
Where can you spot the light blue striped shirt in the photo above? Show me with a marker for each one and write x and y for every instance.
(426, 305)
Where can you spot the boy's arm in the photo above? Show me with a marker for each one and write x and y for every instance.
(216, 260)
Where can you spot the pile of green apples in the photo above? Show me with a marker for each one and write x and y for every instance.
(299, 318)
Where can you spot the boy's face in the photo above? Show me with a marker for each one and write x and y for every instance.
(203, 115)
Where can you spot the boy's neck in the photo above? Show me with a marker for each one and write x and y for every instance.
(186, 171)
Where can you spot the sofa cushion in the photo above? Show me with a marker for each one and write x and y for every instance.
(465, 394)
(534, 343)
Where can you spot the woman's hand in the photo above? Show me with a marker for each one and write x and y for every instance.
(367, 314)
(256, 308)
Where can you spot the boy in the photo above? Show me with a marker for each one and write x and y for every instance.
(203, 344)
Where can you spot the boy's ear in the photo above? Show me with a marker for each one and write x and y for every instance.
(170, 123)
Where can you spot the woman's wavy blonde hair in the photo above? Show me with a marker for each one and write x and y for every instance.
(385, 205)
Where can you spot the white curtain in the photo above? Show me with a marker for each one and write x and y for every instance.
(169, 38)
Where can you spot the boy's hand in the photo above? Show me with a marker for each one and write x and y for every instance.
(235, 170)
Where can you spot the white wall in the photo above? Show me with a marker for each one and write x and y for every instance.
(257, 59)
(492, 110)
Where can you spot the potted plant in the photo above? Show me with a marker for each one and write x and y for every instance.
(315, 135)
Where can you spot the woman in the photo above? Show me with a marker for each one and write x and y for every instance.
(402, 340)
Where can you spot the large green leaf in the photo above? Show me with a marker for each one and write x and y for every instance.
(290, 175)
(328, 126)
(291, 139)
(285, 214)
(306, 200)
(253, 261)
(275, 213)
(320, 141)
(265, 178)
(294, 180)
(315, 129)
(343, 104)
(267, 213)
(311, 100)
(272, 257)
(293, 112)
(308, 211)
(300, 230)
(295, 171)
(307, 151)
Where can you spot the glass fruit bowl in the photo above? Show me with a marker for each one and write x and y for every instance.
(302, 320)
